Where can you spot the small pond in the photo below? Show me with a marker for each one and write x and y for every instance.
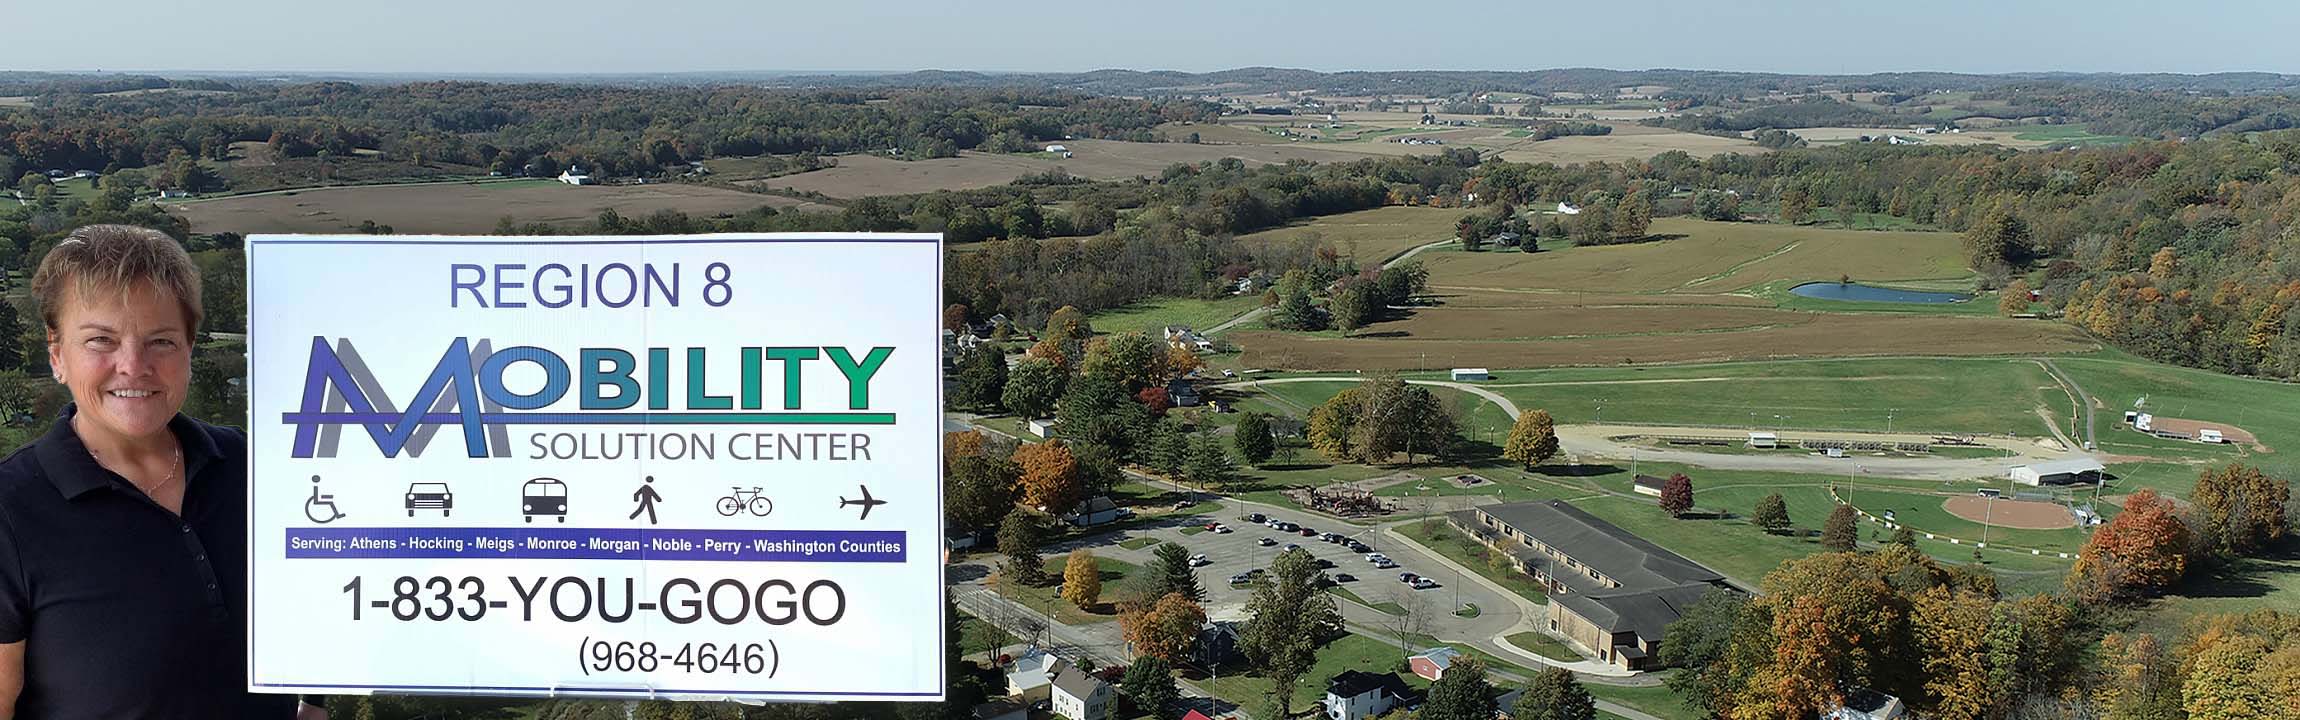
(1871, 293)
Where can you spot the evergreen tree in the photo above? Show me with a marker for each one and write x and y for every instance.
(1018, 541)
(1253, 438)
(1149, 684)
(1170, 569)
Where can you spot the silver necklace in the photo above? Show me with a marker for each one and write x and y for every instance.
(154, 491)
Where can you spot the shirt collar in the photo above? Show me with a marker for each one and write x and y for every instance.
(74, 470)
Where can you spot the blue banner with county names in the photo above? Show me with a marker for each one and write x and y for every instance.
(812, 546)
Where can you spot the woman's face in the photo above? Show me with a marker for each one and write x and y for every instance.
(127, 358)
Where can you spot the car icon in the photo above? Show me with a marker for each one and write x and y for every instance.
(429, 496)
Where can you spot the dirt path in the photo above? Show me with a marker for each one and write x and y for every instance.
(2083, 399)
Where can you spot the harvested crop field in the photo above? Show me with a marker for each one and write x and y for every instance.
(865, 175)
(1703, 256)
(1586, 322)
(2019, 514)
(1829, 335)
(451, 208)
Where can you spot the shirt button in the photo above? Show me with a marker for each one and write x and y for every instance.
(202, 557)
(187, 528)
(211, 586)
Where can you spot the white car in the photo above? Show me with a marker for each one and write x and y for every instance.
(1200, 560)
(1384, 564)
(1377, 558)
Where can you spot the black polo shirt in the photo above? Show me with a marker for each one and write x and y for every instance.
(127, 610)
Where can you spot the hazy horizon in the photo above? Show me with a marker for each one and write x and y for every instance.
(587, 37)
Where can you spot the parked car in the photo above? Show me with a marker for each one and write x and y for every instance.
(1385, 564)
(1266, 542)
(1408, 578)
(1291, 546)
(1345, 577)
(1424, 583)
(1199, 560)
(1221, 529)
(1324, 563)
(1211, 525)
(1356, 546)
(1377, 558)
(1241, 578)
(1307, 532)
(1125, 513)
(1329, 537)
(1325, 580)
(1256, 517)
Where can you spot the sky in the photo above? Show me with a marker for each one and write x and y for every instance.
(628, 36)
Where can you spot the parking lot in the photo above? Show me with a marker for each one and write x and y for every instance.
(1240, 551)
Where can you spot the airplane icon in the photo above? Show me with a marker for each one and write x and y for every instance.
(866, 502)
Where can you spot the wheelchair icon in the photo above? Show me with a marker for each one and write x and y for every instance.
(313, 504)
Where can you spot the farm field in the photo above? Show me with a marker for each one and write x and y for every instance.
(449, 208)
(1847, 335)
(1712, 257)
(1372, 236)
(1152, 316)
(864, 175)
(2070, 135)
(2009, 137)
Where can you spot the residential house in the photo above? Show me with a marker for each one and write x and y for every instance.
(1565, 208)
(1182, 336)
(1647, 485)
(1182, 393)
(1032, 675)
(1094, 511)
(1431, 665)
(1217, 643)
(1612, 593)
(574, 175)
(1081, 696)
(1357, 695)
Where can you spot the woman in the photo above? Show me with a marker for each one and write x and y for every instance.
(122, 530)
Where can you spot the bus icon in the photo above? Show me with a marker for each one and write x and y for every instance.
(543, 496)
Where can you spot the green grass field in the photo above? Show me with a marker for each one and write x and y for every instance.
(1152, 316)
(1543, 645)
(1372, 236)
(975, 636)
(1043, 598)
(2270, 410)
(1709, 257)
(1385, 607)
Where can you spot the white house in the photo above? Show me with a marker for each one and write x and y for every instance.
(1866, 704)
(1080, 696)
(1034, 672)
(1042, 428)
(1471, 374)
(574, 175)
(1357, 695)
(1094, 511)
(1565, 208)
(2057, 472)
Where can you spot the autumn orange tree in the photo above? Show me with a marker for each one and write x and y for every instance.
(1049, 476)
(2143, 551)
(1165, 629)
(965, 443)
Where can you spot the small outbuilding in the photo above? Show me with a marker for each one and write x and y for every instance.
(1471, 374)
(1764, 440)
(1647, 485)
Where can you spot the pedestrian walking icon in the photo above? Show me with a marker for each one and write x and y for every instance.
(646, 497)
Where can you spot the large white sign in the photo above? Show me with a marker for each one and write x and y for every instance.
(688, 467)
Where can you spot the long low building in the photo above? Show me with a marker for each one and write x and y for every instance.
(1611, 592)
(2058, 472)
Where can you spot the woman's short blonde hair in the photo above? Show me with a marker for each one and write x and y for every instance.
(97, 260)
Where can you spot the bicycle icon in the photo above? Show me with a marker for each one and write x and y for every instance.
(738, 500)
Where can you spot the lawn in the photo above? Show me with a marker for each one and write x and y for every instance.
(1385, 607)
(1544, 645)
(2245, 586)
(976, 636)
(1658, 701)
(1349, 652)
(1152, 316)
(2270, 410)
(1044, 599)
(1458, 547)
(1138, 543)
